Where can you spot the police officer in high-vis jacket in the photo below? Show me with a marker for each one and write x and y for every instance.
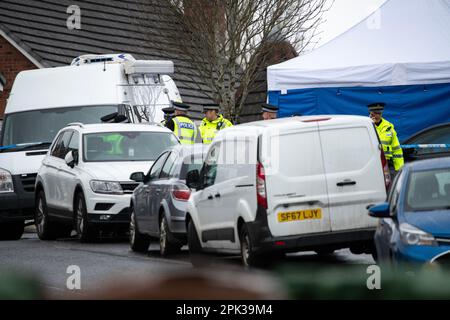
(387, 135)
(183, 127)
(212, 123)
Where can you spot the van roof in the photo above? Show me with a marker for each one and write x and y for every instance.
(307, 121)
(118, 127)
(68, 86)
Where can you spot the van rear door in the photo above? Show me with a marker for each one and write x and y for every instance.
(353, 169)
(296, 187)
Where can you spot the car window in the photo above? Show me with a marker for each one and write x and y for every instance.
(155, 170)
(434, 136)
(170, 163)
(428, 190)
(210, 167)
(62, 146)
(74, 141)
(395, 190)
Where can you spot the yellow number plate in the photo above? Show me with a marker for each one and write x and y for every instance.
(300, 215)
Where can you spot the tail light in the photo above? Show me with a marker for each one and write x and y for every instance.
(181, 192)
(261, 185)
(385, 166)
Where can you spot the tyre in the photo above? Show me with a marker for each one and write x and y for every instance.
(11, 230)
(166, 247)
(198, 258)
(248, 255)
(46, 229)
(86, 231)
(138, 241)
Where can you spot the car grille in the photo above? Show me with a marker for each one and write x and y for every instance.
(128, 187)
(28, 181)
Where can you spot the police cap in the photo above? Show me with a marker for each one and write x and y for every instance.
(269, 108)
(180, 106)
(376, 107)
(211, 106)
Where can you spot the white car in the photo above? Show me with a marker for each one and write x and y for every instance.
(84, 181)
(286, 185)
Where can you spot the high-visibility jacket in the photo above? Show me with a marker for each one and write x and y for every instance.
(185, 129)
(209, 129)
(116, 142)
(390, 143)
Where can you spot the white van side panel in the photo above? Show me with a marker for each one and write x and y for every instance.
(351, 155)
(298, 183)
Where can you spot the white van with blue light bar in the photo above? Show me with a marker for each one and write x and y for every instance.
(45, 100)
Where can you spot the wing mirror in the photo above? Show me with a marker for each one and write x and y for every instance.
(71, 158)
(137, 176)
(380, 211)
(193, 179)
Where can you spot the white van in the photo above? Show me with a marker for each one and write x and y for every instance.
(287, 185)
(45, 100)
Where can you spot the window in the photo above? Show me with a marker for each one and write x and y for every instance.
(434, 136)
(74, 141)
(168, 166)
(155, 170)
(210, 167)
(62, 146)
(126, 146)
(428, 190)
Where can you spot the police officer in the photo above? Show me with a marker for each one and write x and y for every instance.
(269, 112)
(115, 139)
(169, 113)
(212, 123)
(388, 137)
(183, 127)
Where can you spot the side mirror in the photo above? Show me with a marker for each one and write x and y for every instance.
(137, 176)
(380, 211)
(70, 159)
(193, 179)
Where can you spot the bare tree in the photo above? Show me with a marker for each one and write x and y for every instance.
(227, 42)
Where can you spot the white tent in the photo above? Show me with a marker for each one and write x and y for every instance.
(404, 42)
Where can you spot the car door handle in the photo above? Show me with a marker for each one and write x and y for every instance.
(217, 195)
(346, 183)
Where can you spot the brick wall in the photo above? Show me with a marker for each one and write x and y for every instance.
(11, 63)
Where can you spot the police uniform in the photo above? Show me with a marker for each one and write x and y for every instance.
(183, 127)
(265, 107)
(209, 129)
(388, 138)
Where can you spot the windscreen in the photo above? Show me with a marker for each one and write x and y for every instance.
(43, 125)
(126, 146)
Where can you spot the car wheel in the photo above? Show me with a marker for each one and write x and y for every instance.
(46, 229)
(198, 258)
(86, 231)
(166, 247)
(11, 230)
(138, 241)
(248, 256)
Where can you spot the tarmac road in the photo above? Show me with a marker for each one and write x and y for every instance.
(110, 260)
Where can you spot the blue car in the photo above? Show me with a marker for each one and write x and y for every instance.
(415, 222)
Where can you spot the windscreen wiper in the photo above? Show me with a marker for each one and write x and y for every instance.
(24, 146)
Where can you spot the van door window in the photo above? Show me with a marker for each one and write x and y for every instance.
(62, 147)
(210, 167)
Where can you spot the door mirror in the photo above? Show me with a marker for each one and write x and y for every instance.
(193, 179)
(70, 159)
(137, 176)
(380, 211)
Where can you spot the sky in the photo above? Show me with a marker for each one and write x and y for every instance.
(342, 15)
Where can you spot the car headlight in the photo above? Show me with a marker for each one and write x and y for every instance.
(106, 187)
(6, 182)
(413, 236)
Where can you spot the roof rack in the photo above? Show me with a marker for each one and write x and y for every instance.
(76, 124)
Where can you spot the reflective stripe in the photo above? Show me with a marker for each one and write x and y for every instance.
(396, 148)
(398, 156)
(388, 153)
(386, 143)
